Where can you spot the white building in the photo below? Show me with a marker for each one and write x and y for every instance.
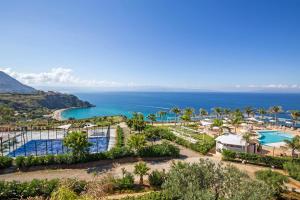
(234, 142)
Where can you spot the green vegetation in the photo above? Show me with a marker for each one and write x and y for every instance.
(207, 180)
(294, 144)
(141, 169)
(6, 114)
(137, 122)
(5, 162)
(18, 190)
(78, 143)
(38, 104)
(159, 150)
(204, 144)
(136, 142)
(126, 182)
(273, 179)
(270, 161)
(120, 137)
(157, 178)
(293, 169)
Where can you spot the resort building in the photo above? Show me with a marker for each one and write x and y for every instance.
(234, 142)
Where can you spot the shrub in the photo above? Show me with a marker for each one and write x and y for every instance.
(257, 159)
(16, 190)
(78, 143)
(228, 154)
(159, 133)
(273, 179)
(293, 169)
(20, 162)
(159, 150)
(149, 196)
(64, 193)
(156, 178)
(126, 182)
(120, 137)
(5, 162)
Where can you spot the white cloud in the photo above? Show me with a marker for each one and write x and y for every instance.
(60, 77)
(276, 86)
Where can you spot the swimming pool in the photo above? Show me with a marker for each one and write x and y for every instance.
(267, 137)
(55, 146)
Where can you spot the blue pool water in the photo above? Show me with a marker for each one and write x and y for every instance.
(55, 146)
(273, 136)
(125, 103)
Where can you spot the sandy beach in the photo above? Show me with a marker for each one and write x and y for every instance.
(57, 114)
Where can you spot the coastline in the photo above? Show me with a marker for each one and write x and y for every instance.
(57, 114)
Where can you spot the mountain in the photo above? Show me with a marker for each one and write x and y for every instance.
(25, 99)
(11, 85)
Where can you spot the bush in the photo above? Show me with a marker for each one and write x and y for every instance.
(257, 159)
(293, 169)
(159, 150)
(5, 162)
(156, 178)
(159, 133)
(149, 196)
(126, 182)
(273, 179)
(16, 190)
(29, 161)
(120, 137)
(228, 155)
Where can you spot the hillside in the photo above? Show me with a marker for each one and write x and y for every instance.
(23, 98)
(40, 100)
(11, 85)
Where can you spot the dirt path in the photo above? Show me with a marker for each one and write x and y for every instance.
(88, 171)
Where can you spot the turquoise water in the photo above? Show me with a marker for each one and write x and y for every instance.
(273, 136)
(125, 103)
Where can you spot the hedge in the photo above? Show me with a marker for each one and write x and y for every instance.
(200, 147)
(159, 150)
(18, 190)
(163, 133)
(5, 162)
(270, 161)
(23, 162)
(293, 169)
(120, 137)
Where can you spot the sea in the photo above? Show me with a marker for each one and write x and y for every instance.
(125, 103)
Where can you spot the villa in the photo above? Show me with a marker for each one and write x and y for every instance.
(234, 142)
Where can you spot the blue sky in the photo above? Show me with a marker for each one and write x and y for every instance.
(107, 45)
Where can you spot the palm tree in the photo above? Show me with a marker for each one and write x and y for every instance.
(203, 112)
(249, 111)
(141, 169)
(176, 111)
(218, 111)
(136, 141)
(262, 112)
(235, 121)
(247, 138)
(226, 112)
(218, 123)
(275, 110)
(162, 115)
(295, 114)
(152, 118)
(294, 144)
(185, 118)
(189, 111)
